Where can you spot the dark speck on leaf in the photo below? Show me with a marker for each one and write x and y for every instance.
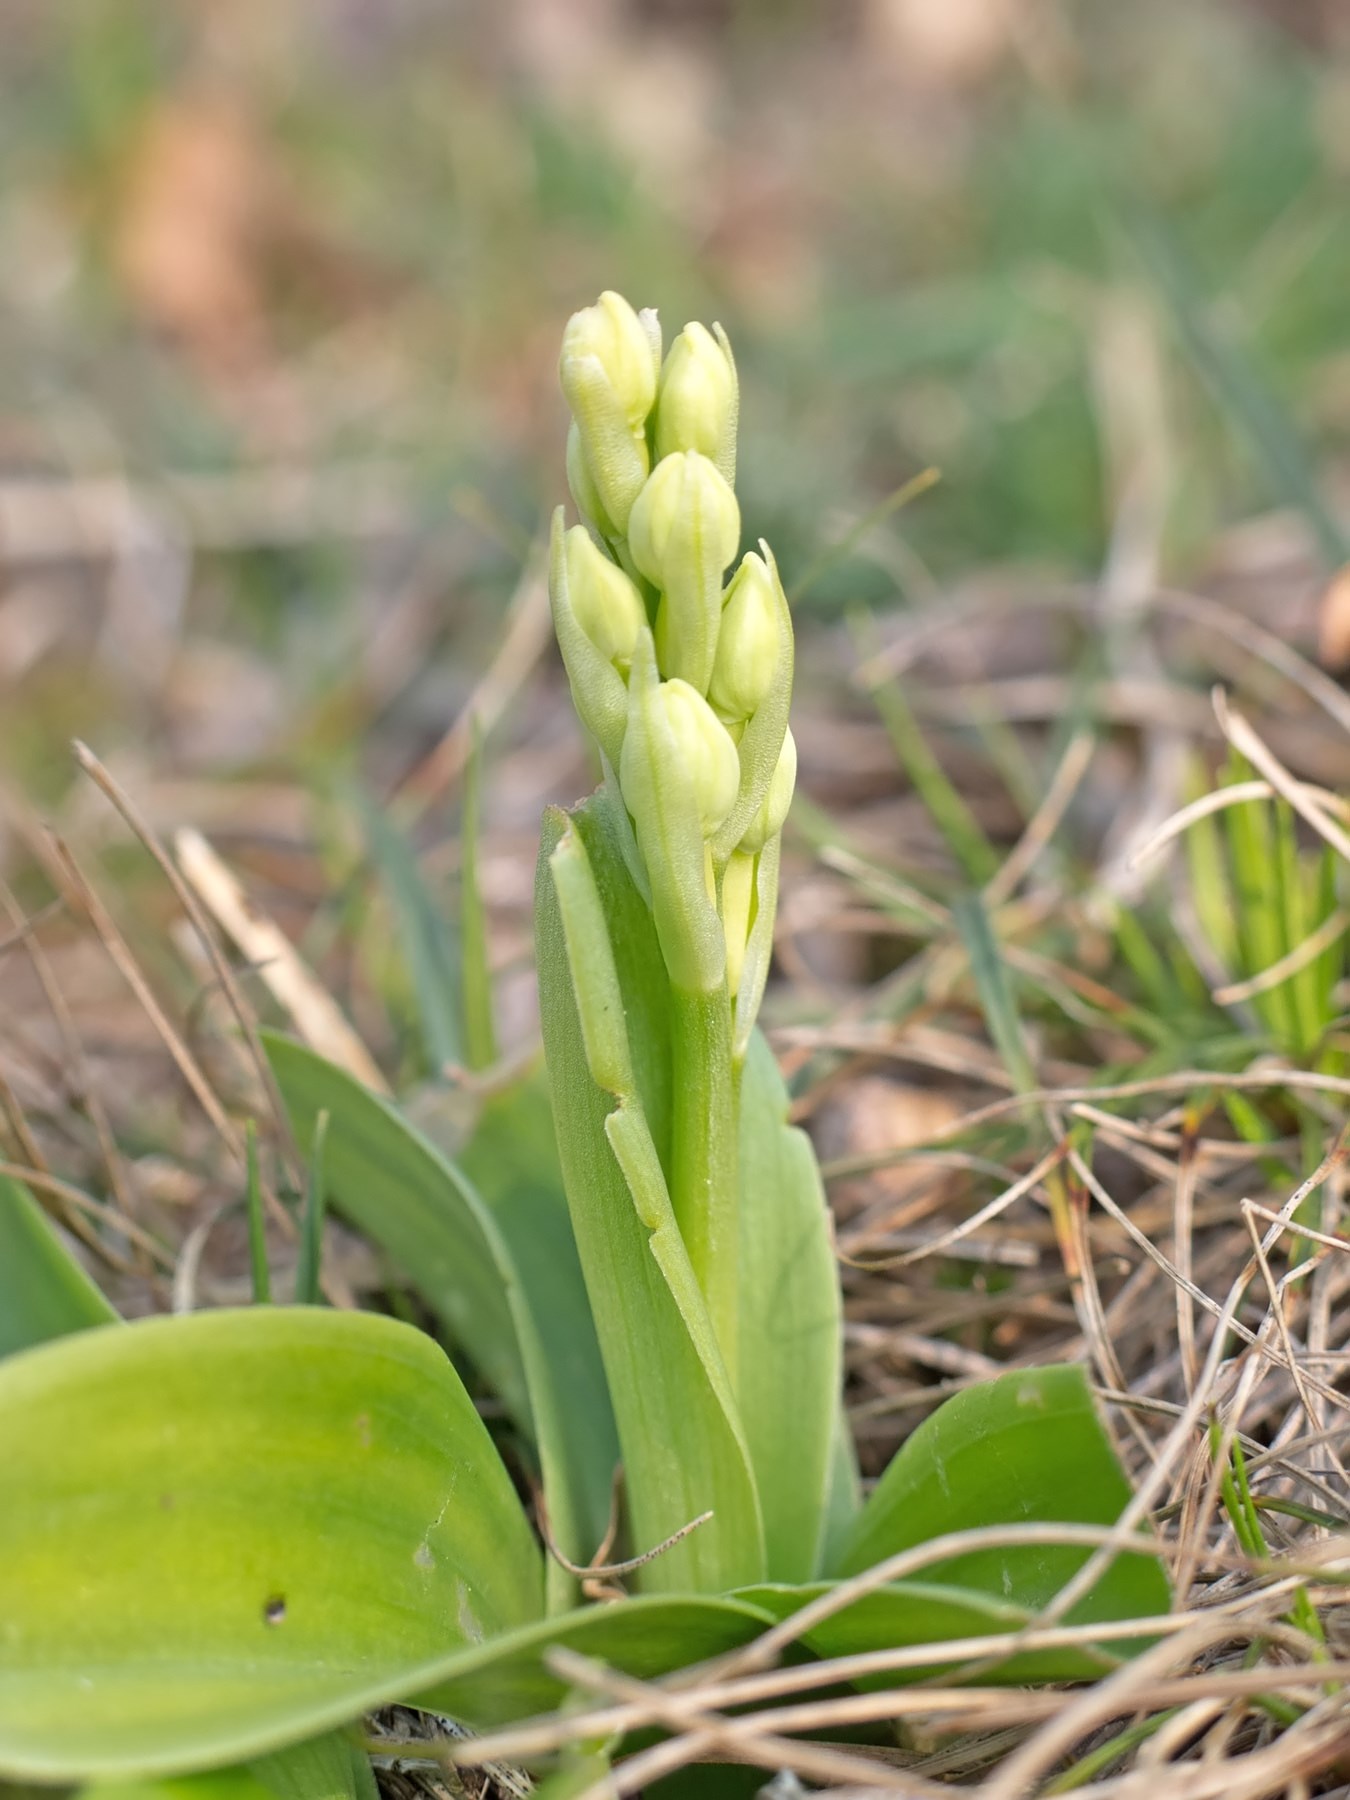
(274, 1609)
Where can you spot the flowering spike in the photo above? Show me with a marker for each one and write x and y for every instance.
(685, 687)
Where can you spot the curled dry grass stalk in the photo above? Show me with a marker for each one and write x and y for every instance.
(1210, 1302)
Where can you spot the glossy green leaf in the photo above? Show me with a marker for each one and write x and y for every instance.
(788, 1384)
(496, 1262)
(44, 1293)
(683, 1449)
(228, 1531)
(918, 1612)
(1026, 1447)
(645, 1636)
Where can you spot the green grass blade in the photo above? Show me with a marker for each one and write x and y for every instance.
(834, 554)
(975, 855)
(480, 1030)
(308, 1266)
(1260, 921)
(1297, 924)
(990, 974)
(1233, 377)
(257, 1229)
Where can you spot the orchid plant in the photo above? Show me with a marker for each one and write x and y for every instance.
(227, 1537)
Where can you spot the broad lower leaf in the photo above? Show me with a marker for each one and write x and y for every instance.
(789, 1378)
(332, 1767)
(916, 1612)
(645, 1636)
(684, 1452)
(44, 1293)
(1027, 1447)
(489, 1247)
(229, 1531)
(219, 1784)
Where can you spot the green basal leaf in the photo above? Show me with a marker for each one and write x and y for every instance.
(228, 1531)
(1028, 1446)
(44, 1293)
(332, 1767)
(918, 1612)
(408, 1198)
(683, 1449)
(218, 1784)
(503, 1277)
(788, 1387)
(645, 1636)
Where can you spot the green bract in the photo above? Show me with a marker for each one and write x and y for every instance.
(224, 1537)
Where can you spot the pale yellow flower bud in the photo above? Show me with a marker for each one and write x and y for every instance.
(749, 647)
(698, 400)
(619, 340)
(768, 821)
(704, 760)
(610, 360)
(608, 606)
(683, 531)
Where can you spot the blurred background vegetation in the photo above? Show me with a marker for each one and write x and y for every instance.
(281, 288)
(342, 234)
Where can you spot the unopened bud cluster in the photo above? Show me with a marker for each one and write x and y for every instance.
(683, 676)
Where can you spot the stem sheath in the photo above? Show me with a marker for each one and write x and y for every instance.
(704, 1176)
